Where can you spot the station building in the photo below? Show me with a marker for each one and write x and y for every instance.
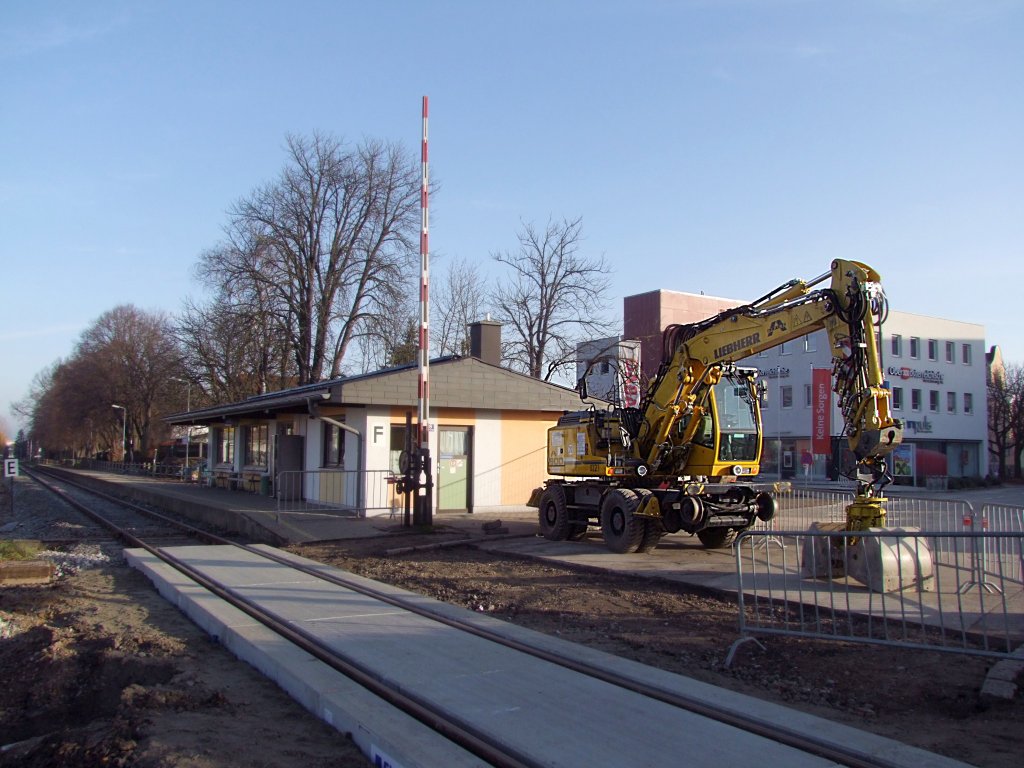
(338, 442)
(935, 367)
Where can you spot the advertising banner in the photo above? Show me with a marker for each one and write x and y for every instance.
(821, 410)
(902, 460)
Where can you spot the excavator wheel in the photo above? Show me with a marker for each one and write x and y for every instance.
(554, 514)
(717, 538)
(653, 529)
(622, 530)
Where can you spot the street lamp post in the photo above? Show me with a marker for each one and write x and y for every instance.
(124, 429)
(188, 432)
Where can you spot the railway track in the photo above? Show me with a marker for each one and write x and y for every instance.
(142, 528)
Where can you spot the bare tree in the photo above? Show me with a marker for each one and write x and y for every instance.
(554, 298)
(457, 300)
(235, 346)
(133, 357)
(1006, 418)
(325, 247)
(1000, 423)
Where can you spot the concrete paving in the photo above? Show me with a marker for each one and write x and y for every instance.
(548, 714)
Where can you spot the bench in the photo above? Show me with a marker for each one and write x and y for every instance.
(246, 480)
(232, 481)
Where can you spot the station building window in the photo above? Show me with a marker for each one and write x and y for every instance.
(255, 440)
(915, 347)
(915, 399)
(397, 446)
(334, 446)
(951, 402)
(225, 445)
(896, 342)
(933, 400)
(966, 354)
(950, 352)
(933, 349)
(968, 403)
(897, 398)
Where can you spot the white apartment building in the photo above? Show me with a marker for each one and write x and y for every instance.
(936, 370)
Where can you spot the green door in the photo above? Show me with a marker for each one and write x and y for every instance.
(453, 469)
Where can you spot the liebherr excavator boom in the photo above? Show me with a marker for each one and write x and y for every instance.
(684, 459)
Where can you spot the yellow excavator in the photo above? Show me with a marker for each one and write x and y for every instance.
(685, 458)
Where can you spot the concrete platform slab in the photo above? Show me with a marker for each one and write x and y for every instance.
(555, 716)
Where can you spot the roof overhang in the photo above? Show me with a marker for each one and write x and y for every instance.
(289, 401)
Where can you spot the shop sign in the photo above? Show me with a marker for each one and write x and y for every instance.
(930, 377)
(774, 373)
(920, 427)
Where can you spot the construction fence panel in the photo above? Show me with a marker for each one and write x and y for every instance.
(336, 492)
(799, 507)
(999, 518)
(953, 598)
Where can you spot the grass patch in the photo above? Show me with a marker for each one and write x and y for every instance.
(21, 549)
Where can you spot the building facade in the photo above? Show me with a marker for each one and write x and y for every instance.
(935, 367)
(338, 442)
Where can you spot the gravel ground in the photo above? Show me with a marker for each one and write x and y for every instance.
(176, 699)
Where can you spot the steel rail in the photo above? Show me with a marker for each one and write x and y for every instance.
(457, 732)
(843, 755)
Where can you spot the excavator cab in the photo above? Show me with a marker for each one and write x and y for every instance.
(726, 439)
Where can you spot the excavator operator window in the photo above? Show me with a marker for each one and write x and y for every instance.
(737, 420)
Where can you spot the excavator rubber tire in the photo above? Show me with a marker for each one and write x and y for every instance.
(553, 515)
(622, 530)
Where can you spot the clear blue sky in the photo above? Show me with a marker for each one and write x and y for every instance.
(723, 146)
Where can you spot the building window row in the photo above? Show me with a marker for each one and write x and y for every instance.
(932, 347)
(965, 401)
(934, 401)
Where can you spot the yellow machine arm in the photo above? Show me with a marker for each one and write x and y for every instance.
(696, 357)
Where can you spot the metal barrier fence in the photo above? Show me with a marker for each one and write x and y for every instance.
(799, 507)
(344, 492)
(998, 518)
(965, 590)
(137, 468)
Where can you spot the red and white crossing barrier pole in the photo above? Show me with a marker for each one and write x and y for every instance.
(424, 499)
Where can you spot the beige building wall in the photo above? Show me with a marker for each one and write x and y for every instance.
(524, 451)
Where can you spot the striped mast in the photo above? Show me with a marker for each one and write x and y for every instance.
(424, 502)
(424, 368)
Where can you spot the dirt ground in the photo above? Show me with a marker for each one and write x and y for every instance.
(99, 670)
